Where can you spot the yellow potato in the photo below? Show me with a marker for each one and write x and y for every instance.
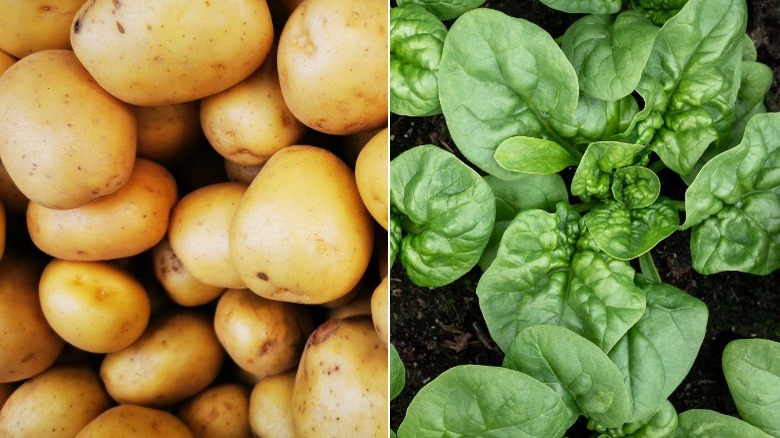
(352, 144)
(135, 421)
(301, 232)
(28, 345)
(126, 223)
(341, 384)
(34, 25)
(56, 403)
(249, 122)
(153, 52)
(12, 198)
(359, 305)
(262, 336)
(6, 61)
(333, 64)
(241, 172)
(167, 133)
(63, 139)
(199, 233)
(371, 176)
(380, 310)
(177, 357)
(270, 406)
(177, 281)
(94, 306)
(218, 412)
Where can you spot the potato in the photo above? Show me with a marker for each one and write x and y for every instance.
(135, 421)
(93, 306)
(341, 384)
(126, 223)
(199, 233)
(218, 412)
(371, 176)
(380, 308)
(261, 336)
(177, 357)
(6, 389)
(28, 345)
(6, 61)
(241, 172)
(177, 281)
(249, 122)
(12, 198)
(71, 396)
(63, 139)
(352, 144)
(270, 406)
(333, 64)
(359, 305)
(301, 233)
(167, 133)
(151, 52)
(35, 25)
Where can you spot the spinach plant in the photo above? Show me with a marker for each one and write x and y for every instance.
(559, 202)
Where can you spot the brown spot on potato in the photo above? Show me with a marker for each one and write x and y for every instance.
(117, 4)
(119, 27)
(77, 25)
(263, 276)
(29, 357)
(323, 332)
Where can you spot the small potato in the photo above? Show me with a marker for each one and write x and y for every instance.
(218, 412)
(380, 310)
(93, 306)
(70, 396)
(35, 25)
(177, 281)
(270, 406)
(341, 385)
(28, 345)
(135, 421)
(128, 222)
(261, 336)
(199, 233)
(371, 176)
(241, 172)
(167, 133)
(177, 357)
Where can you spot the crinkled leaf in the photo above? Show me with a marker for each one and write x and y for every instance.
(662, 425)
(533, 155)
(635, 186)
(585, 6)
(625, 233)
(483, 401)
(593, 178)
(547, 271)
(416, 42)
(502, 77)
(658, 11)
(704, 423)
(609, 53)
(582, 375)
(752, 371)
(447, 210)
(596, 119)
(396, 235)
(749, 52)
(397, 373)
(445, 9)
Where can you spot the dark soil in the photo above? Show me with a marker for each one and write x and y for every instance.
(436, 329)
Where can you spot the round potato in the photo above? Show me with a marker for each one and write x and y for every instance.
(64, 140)
(152, 52)
(167, 133)
(199, 233)
(135, 421)
(218, 412)
(270, 406)
(380, 310)
(177, 281)
(341, 384)
(153, 371)
(28, 345)
(371, 176)
(35, 25)
(333, 64)
(124, 224)
(241, 172)
(70, 395)
(94, 306)
(262, 336)
(301, 232)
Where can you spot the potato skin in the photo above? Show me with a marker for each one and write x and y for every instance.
(168, 133)
(371, 176)
(218, 412)
(136, 421)
(177, 281)
(126, 223)
(34, 25)
(270, 406)
(70, 395)
(6, 61)
(380, 308)
(301, 233)
(55, 147)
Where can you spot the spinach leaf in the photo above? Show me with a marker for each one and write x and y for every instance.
(483, 401)
(754, 86)
(445, 9)
(661, 425)
(703, 423)
(416, 42)
(397, 373)
(594, 176)
(395, 234)
(533, 155)
(753, 375)
(659, 11)
(447, 211)
(502, 77)
(596, 119)
(585, 6)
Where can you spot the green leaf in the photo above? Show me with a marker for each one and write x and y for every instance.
(596, 119)
(445, 9)
(703, 423)
(395, 235)
(447, 210)
(749, 52)
(755, 83)
(593, 177)
(579, 372)
(397, 373)
(635, 186)
(416, 42)
(662, 425)
(659, 11)
(533, 155)
(482, 401)
(547, 271)
(585, 6)
(752, 373)
(502, 77)
(609, 53)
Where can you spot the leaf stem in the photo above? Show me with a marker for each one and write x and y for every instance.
(679, 205)
(584, 207)
(657, 166)
(648, 269)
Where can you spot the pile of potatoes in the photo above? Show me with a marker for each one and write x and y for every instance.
(193, 226)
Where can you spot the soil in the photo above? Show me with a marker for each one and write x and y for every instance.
(436, 329)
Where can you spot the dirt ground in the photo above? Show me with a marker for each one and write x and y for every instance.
(436, 329)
